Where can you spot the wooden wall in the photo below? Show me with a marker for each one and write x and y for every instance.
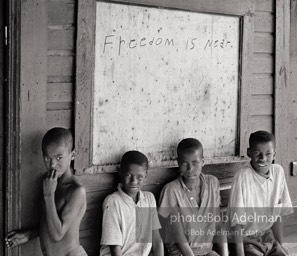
(261, 93)
(48, 95)
(61, 30)
(290, 153)
(46, 92)
(2, 83)
(291, 123)
(33, 68)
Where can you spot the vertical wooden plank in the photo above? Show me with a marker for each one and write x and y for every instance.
(292, 101)
(84, 82)
(33, 81)
(246, 81)
(12, 126)
(2, 125)
(232, 7)
(265, 5)
(281, 79)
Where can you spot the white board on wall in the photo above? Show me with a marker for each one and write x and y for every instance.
(160, 76)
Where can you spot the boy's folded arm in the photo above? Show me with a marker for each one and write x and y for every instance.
(58, 227)
(115, 250)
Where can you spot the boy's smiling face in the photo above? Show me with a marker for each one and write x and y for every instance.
(58, 157)
(190, 164)
(261, 154)
(133, 179)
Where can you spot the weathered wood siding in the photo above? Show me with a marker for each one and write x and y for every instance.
(60, 62)
(291, 153)
(263, 67)
(33, 69)
(290, 132)
(2, 176)
(47, 36)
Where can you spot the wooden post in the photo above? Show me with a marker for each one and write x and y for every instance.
(282, 38)
(12, 125)
(84, 83)
(29, 104)
(245, 87)
(2, 81)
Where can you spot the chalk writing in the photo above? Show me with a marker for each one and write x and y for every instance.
(113, 41)
(217, 43)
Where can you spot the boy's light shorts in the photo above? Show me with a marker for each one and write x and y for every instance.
(77, 252)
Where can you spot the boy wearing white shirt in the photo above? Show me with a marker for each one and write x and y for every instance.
(260, 193)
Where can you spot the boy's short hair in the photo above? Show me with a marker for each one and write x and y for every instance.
(57, 135)
(133, 157)
(189, 145)
(260, 137)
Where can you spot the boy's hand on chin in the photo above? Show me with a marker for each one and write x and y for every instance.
(50, 183)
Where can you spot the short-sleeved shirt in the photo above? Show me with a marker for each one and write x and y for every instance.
(256, 201)
(129, 224)
(176, 195)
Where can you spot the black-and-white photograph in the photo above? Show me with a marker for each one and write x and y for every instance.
(148, 127)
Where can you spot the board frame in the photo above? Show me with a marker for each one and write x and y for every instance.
(85, 66)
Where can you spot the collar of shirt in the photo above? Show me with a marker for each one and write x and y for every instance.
(203, 193)
(261, 178)
(128, 199)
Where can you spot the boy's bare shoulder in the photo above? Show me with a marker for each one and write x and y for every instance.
(76, 189)
(76, 183)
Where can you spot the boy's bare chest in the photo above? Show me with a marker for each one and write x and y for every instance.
(61, 195)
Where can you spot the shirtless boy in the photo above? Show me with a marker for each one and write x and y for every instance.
(64, 200)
